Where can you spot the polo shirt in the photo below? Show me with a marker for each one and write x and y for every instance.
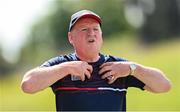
(93, 94)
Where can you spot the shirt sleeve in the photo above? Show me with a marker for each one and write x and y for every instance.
(53, 61)
(132, 81)
(45, 64)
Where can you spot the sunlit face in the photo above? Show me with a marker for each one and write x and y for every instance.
(86, 36)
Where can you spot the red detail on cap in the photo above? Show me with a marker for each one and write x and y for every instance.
(91, 16)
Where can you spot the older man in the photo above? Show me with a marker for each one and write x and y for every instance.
(87, 80)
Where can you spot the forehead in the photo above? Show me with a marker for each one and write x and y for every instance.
(86, 21)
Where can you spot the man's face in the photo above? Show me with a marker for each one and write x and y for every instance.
(86, 36)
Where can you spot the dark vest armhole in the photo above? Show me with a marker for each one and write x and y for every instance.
(132, 81)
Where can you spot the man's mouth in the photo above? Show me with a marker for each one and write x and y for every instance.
(91, 40)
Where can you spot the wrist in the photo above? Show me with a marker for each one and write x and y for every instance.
(132, 67)
(63, 70)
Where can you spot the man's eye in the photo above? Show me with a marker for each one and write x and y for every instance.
(95, 29)
(84, 29)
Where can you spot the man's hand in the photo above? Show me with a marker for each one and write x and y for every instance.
(114, 70)
(79, 68)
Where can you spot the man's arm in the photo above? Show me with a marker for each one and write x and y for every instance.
(40, 78)
(154, 79)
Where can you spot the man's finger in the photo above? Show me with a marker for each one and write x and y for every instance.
(90, 68)
(82, 77)
(106, 64)
(105, 69)
(111, 80)
(107, 74)
(88, 74)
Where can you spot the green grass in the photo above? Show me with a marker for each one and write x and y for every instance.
(12, 97)
(165, 55)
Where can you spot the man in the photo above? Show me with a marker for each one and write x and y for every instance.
(88, 80)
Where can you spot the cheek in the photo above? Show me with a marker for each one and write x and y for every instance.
(100, 40)
(79, 42)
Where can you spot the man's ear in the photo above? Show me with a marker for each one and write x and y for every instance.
(70, 38)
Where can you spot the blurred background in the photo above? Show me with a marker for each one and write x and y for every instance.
(33, 31)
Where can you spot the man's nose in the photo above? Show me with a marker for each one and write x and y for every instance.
(91, 32)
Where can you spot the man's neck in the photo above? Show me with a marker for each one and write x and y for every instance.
(88, 58)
